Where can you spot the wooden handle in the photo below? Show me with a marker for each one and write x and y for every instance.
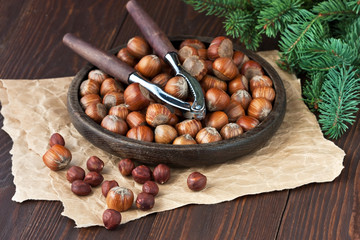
(101, 59)
(151, 31)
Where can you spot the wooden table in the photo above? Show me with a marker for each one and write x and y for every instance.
(31, 48)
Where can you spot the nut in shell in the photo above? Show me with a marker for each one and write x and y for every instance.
(57, 157)
(119, 199)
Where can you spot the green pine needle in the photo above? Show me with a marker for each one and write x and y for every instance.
(312, 91)
(216, 7)
(339, 100)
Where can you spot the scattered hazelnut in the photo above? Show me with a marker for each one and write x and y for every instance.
(161, 173)
(94, 179)
(80, 188)
(196, 181)
(150, 187)
(107, 185)
(95, 164)
(145, 201)
(57, 157)
(126, 166)
(56, 138)
(75, 173)
(119, 199)
(141, 174)
(111, 219)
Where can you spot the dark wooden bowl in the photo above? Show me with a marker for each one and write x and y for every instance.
(175, 155)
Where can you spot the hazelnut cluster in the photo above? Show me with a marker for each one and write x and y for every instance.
(238, 94)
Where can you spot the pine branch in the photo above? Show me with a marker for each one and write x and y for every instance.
(312, 91)
(354, 5)
(218, 8)
(340, 98)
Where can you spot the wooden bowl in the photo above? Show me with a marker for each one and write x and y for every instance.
(152, 153)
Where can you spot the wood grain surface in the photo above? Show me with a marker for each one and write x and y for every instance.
(31, 48)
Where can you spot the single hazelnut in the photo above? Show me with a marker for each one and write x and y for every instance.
(165, 133)
(202, 52)
(216, 99)
(247, 123)
(141, 133)
(80, 188)
(231, 130)
(161, 173)
(136, 97)
(107, 185)
(189, 126)
(177, 87)
(196, 181)
(260, 81)
(210, 81)
(239, 58)
(138, 47)
(238, 83)
(97, 75)
(126, 166)
(145, 201)
(114, 124)
(141, 174)
(187, 51)
(264, 92)
(96, 112)
(195, 66)
(75, 173)
(94, 164)
(185, 139)
(220, 47)
(119, 199)
(216, 120)
(126, 57)
(90, 99)
(149, 66)
(161, 79)
(151, 188)
(157, 114)
(243, 97)
(135, 119)
(89, 87)
(94, 179)
(112, 99)
(251, 68)
(56, 138)
(111, 219)
(57, 157)
(110, 85)
(195, 43)
(234, 110)
(225, 69)
(120, 111)
(208, 135)
(259, 108)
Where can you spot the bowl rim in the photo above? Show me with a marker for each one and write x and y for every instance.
(277, 113)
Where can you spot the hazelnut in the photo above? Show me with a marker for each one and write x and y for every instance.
(161, 173)
(126, 166)
(185, 139)
(177, 87)
(138, 47)
(239, 82)
(94, 164)
(136, 97)
(195, 43)
(107, 185)
(196, 181)
(89, 87)
(97, 75)
(120, 111)
(189, 126)
(135, 119)
(151, 188)
(96, 112)
(195, 66)
(264, 92)
(145, 201)
(75, 173)
(112, 99)
(114, 124)
(119, 199)
(239, 58)
(259, 108)
(165, 133)
(243, 97)
(157, 114)
(231, 130)
(110, 85)
(202, 52)
(247, 123)
(208, 135)
(111, 219)
(94, 179)
(210, 81)
(80, 188)
(225, 69)
(56, 138)
(126, 57)
(260, 81)
(216, 99)
(141, 174)
(161, 79)
(216, 120)
(220, 47)
(251, 68)
(187, 51)
(234, 110)
(149, 66)
(57, 157)
(89, 99)
(141, 133)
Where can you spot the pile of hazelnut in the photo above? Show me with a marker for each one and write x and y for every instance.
(118, 199)
(237, 93)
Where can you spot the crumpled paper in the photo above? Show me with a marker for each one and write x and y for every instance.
(296, 155)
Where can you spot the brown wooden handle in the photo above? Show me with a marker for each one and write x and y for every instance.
(101, 59)
(151, 31)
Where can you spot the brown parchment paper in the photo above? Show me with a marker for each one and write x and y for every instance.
(34, 109)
